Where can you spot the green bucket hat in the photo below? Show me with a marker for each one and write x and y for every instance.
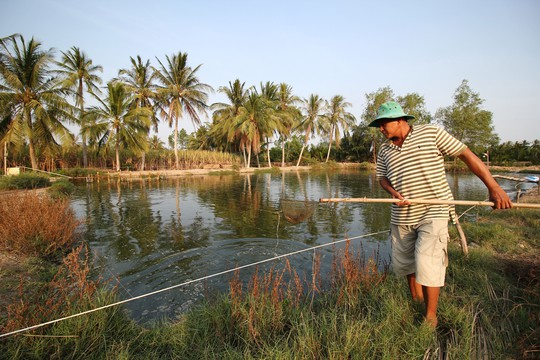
(389, 110)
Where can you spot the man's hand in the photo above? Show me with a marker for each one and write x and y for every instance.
(500, 198)
(403, 202)
(385, 184)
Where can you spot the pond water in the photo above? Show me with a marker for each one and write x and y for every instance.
(152, 234)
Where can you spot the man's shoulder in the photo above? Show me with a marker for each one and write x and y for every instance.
(424, 131)
(426, 127)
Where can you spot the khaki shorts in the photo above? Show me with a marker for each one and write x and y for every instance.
(422, 250)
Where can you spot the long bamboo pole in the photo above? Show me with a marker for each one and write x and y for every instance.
(427, 201)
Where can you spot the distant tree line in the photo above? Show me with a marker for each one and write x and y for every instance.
(40, 94)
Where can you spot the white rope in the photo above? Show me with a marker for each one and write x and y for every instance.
(184, 284)
(466, 211)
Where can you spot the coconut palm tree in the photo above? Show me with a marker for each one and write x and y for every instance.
(288, 113)
(336, 116)
(270, 96)
(310, 123)
(255, 120)
(156, 143)
(33, 104)
(236, 93)
(181, 92)
(77, 73)
(224, 114)
(139, 80)
(115, 122)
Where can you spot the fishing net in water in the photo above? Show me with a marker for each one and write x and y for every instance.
(296, 211)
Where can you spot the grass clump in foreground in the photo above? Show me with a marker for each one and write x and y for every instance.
(356, 312)
(71, 290)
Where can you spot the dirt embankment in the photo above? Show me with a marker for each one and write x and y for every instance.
(211, 169)
(522, 169)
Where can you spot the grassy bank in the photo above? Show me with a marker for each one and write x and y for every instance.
(488, 309)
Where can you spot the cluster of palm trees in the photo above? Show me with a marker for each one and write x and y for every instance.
(252, 117)
(40, 96)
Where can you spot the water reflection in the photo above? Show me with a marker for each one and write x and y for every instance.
(152, 234)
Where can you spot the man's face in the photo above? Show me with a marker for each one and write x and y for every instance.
(389, 127)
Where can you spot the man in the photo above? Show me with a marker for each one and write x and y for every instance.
(411, 166)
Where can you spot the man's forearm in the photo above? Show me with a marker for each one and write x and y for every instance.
(385, 184)
(477, 167)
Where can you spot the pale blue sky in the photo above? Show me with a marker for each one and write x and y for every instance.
(328, 47)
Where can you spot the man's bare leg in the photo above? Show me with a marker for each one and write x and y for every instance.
(431, 297)
(415, 288)
(425, 294)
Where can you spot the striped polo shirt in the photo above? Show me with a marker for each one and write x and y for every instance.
(416, 171)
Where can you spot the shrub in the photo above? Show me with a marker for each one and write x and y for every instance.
(366, 165)
(78, 172)
(61, 189)
(24, 181)
(37, 225)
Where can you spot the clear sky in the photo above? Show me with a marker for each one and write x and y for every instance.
(331, 47)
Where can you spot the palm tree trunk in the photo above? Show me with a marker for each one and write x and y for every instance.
(283, 153)
(248, 163)
(300, 157)
(31, 147)
(143, 160)
(80, 93)
(244, 155)
(83, 139)
(330, 143)
(84, 150)
(32, 151)
(328, 155)
(117, 149)
(304, 144)
(268, 152)
(176, 161)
